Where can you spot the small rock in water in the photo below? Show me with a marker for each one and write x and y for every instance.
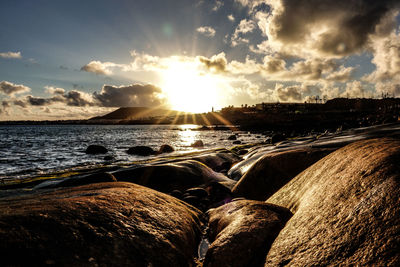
(237, 142)
(232, 137)
(141, 151)
(166, 149)
(96, 149)
(198, 143)
(108, 158)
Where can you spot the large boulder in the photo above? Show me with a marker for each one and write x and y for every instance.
(242, 231)
(346, 209)
(167, 177)
(108, 224)
(96, 149)
(221, 160)
(77, 180)
(274, 170)
(165, 149)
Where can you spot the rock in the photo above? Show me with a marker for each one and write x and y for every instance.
(167, 177)
(346, 209)
(197, 192)
(242, 231)
(197, 143)
(141, 151)
(277, 138)
(232, 137)
(219, 160)
(109, 224)
(237, 142)
(218, 194)
(242, 151)
(166, 149)
(78, 180)
(192, 200)
(96, 149)
(177, 194)
(108, 158)
(274, 170)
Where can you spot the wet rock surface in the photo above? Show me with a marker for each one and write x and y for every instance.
(274, 170)
(345, 209)
(167, 177)
(108, 224)
(242, 231)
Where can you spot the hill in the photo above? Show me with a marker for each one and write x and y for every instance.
(135, 113)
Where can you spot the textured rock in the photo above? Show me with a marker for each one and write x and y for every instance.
(108, 224)
(219, 160)
(78, 180)
(197, 143)
(141, 151)
(180, 175)
(274, 170)
(242, 231)
(96, 149)
(165, 149)
(346, 209)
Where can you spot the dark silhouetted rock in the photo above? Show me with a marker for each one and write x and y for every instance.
(232, 137)
(78, 180)
(197, 143)
(167, 177)
(96, 149)
(197, 191)
(166, 149)
(242, 231)
(346, 209)
(277, 138)
(108, 158)
(237, 142)
(141, 151)
(274, 170)
(109, 224)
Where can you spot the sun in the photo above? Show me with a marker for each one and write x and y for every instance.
(189, 90)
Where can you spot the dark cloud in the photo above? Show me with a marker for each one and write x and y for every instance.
(21, 103)
(78, 99)
(38, 101)
(328, 27)
(129, 96)
(288, 94)
(9, 88)
(216, 63)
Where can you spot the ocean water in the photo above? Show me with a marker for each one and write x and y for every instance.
(38, 149)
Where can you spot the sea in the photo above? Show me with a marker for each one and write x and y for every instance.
(30, 150)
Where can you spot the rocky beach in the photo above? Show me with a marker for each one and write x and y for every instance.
(326, 199)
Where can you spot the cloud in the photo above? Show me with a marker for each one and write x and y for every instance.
(20, 103)
(129, 96)
(218, 5)
(98, 67)
(54, 91)
(354, 90)
(288, 94)
(231, 17)
(386, 57)
(11, 55)
(11, 89)
(330, 28)
(216, 63)
(391, 89)
(5, 107)
(207, 31)
(245, 26)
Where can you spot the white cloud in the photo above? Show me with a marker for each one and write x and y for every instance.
(11, 89)
(11, 55)
(231, 17)
(217, 6)
(245, 26)
(98, 67)
(207, 31)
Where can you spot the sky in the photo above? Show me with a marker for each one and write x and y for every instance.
(79, 59)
